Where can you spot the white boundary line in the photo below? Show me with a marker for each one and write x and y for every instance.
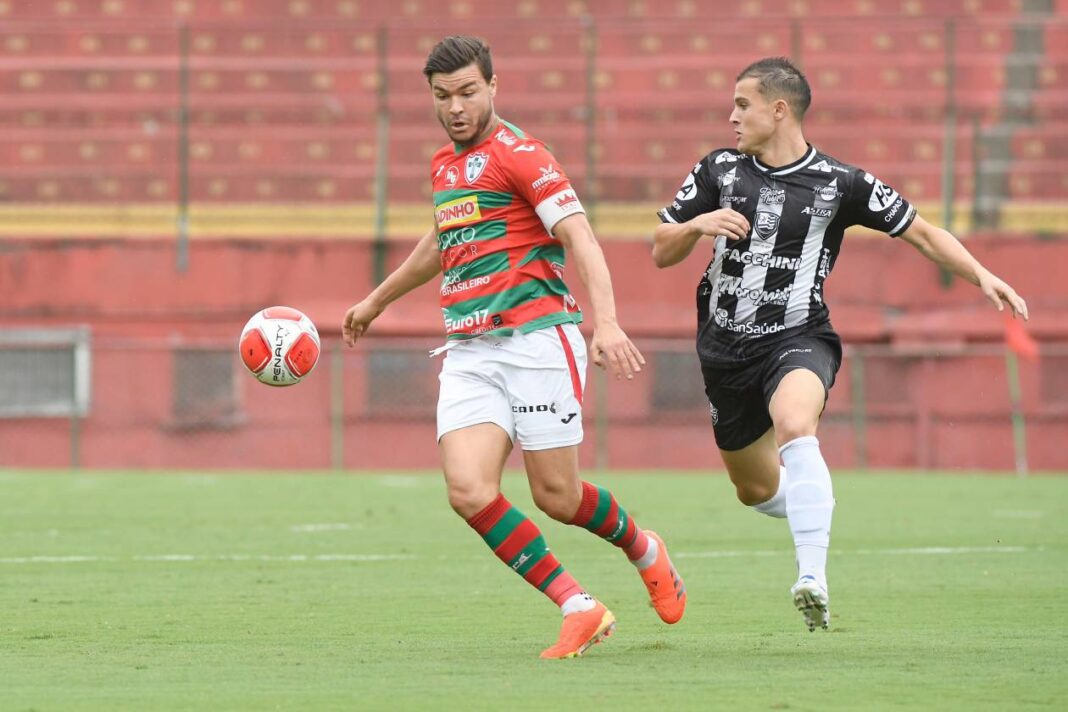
(362, 558)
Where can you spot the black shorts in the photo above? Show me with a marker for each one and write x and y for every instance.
(738, 396)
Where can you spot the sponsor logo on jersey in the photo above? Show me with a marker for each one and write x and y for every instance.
(476, 320)
(725, 156)
(458, 212)
(688, 189)
(474, 166)
(893, 210)
(750, 328)
(826, 167)
(548, 175)
(452, 177)
(771, 196)
(767, 224)
(825, 263)
(882, 196)
(760, 297)
(830, 191)
(733, 198)
(569, 300)
(729, 178)
(760, 260)
(524, 148)
(506, 138)
(818, 212)
(458, 287)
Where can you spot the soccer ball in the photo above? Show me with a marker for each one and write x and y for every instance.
(279, 345)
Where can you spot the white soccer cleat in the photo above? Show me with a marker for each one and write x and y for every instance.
(810, 597)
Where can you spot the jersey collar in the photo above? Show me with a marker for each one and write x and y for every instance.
(457, 149)
(790, 168)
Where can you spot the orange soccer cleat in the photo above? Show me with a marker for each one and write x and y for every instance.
(667, 592)
(581, 631)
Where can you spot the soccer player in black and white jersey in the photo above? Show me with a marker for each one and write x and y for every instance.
(776, 209)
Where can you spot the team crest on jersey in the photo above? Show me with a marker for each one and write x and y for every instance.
(475, 165)
(452, 177)
(767, 224)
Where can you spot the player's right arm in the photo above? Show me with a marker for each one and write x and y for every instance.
(673, 242)
(694, 213)
(422, 265)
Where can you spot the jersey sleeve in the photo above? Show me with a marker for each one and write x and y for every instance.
(878, 206)
(699, 194)
(539, 179)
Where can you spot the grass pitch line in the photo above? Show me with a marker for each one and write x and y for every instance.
(181, 558)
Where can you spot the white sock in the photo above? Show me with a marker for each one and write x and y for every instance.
(776, 506)
(809, 504)
(649, 557)
(578, 603)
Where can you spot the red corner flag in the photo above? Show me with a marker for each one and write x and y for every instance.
(1017, 338)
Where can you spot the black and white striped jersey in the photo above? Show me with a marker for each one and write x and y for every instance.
(769, 286)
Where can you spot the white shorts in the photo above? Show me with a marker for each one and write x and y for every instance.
(529, 384)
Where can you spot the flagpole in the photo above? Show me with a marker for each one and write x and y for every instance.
(1019, 426)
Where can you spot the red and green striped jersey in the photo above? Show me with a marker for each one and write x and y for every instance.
(495, 206)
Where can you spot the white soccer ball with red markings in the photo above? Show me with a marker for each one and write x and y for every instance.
(279, 345)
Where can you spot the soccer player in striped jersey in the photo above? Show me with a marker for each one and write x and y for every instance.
(515, 364)
(776, 209)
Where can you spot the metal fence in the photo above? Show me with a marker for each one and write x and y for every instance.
(158, 403)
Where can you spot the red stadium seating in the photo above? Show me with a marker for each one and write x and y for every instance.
(293, 85)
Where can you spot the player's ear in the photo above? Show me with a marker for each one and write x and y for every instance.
(493, 86)
(780, 109)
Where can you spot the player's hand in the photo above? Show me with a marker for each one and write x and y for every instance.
(357, 319)
(729, 223)
(999, 292)
(613, 351)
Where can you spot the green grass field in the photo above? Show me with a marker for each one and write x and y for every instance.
(230, 591)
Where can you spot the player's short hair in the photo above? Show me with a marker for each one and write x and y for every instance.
(781, 79)
(456, 52)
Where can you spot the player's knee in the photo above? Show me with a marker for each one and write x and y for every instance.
(557, 501)
(752, 493)
(467, 501)
(792, 426)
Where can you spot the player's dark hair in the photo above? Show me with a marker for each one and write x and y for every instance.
(456, 52)
(781, 79)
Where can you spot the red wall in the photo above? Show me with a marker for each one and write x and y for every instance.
(951, 412)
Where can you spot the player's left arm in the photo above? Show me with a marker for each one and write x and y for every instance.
(941, 247)
(610, 347)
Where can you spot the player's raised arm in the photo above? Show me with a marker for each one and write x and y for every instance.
(422, 265)
(941, 247)
(695, 212)
(610, 347)
(673, 242)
